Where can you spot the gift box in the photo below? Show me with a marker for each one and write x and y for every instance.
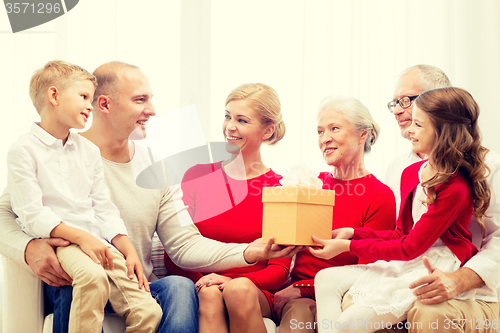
(293, 214)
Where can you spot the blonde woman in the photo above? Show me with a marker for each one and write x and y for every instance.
(225, 202)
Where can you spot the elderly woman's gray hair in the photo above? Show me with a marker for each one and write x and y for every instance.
(357, 113)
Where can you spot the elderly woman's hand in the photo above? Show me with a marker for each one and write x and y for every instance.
(330, 249)
(212, 280)
(343, 233)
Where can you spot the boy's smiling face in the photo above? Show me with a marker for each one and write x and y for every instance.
(74, 104)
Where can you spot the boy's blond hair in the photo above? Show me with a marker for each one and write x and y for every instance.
(56, 73)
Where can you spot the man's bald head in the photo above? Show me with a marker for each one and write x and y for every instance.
(122, 105)
(108, 78)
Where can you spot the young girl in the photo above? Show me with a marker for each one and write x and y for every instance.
(438, 198)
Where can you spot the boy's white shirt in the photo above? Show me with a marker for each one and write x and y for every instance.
(50, 183)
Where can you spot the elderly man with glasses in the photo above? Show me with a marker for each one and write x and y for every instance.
(412, 82)
(437, 310)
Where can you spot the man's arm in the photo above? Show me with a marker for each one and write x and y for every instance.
(12, 238)
(189, 250)
(482, 269)
(37, 253)
(439, 286)
(486, 263)
(42, 259)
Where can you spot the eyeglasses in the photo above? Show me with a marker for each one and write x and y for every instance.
(404, 102)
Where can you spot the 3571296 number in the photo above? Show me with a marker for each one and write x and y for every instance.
(34, 8)
(478, 324)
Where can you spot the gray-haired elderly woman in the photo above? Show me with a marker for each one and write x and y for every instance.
(346, 131)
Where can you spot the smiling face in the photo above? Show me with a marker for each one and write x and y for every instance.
(408, 85)
(242, 127)
(132, 104)
(340, 142)
(74, 104)
(422, 132)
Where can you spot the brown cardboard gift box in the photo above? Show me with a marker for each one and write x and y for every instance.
(293, 214)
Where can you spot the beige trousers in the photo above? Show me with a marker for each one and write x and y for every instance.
(454, 316)
(93, 286)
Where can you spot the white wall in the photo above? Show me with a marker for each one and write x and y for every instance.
(197, 51)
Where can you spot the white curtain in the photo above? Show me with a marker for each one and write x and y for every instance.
(310, 49)
(197, 51)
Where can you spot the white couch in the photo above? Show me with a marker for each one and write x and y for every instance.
(23, 308)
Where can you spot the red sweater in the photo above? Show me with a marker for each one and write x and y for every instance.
(362, 202)
(230, 210)
(448, 218)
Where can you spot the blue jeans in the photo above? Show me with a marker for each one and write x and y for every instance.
(176, 295)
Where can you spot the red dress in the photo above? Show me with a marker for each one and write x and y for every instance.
(230, 211)
(361, 202)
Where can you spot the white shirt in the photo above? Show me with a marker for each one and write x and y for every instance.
(50, 183)
(486, 263)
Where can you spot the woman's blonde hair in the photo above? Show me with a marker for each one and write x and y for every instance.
(357, 113)
(265, 101)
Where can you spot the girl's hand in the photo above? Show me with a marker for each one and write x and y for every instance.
(330, 249)
(343, 233)
(212, 280)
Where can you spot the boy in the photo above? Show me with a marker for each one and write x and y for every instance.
(55, 179)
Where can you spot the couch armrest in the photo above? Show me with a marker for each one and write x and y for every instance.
(22, 299)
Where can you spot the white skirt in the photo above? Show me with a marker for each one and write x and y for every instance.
(384, 285)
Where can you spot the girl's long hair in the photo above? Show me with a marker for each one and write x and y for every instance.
(454, 113)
